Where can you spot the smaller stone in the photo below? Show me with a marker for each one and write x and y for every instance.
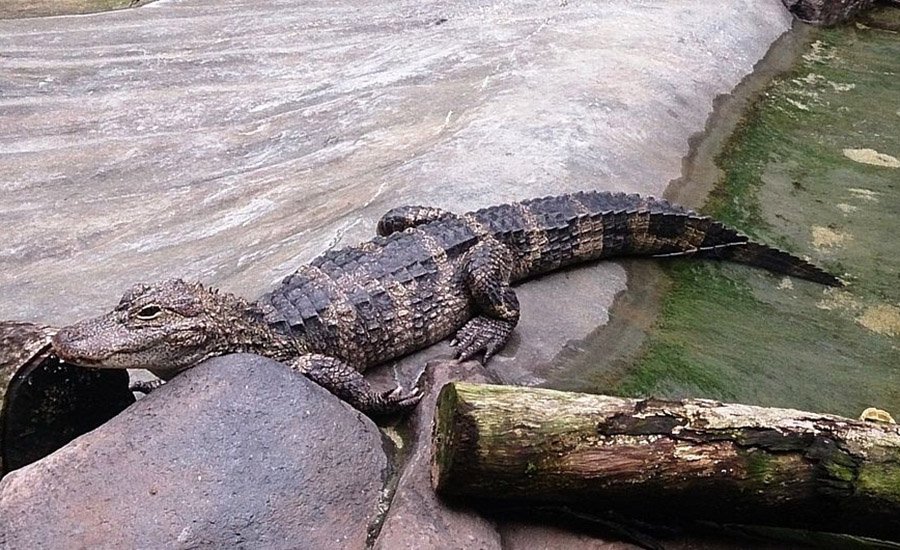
(531, 536)
(826, 12)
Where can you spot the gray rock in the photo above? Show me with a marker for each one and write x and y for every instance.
(417, 518)
(531, 536)
(238, 451)
(826, 12)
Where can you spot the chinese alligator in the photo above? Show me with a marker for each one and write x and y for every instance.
(429, 274)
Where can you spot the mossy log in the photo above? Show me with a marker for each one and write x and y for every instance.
(688, 459)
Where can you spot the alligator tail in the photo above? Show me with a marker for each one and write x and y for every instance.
(766, 257)
(550, 233)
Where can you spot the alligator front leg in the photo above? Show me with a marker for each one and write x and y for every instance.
(348, 384)
(404, 217)
(486, 276)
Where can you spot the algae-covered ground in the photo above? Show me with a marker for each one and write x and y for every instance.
(813, 170)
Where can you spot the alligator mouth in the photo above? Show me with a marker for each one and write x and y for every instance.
(81, 361)
(107, 362)
(66, 355)
(73, 359)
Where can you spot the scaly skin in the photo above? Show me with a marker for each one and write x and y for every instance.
(428, 275)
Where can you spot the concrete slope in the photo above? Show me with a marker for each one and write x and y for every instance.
(232, 140)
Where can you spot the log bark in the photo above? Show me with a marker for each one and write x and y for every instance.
(688, 459)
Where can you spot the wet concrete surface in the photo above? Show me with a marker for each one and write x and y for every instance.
(231, 141)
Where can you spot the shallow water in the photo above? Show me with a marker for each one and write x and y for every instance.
(809, 170)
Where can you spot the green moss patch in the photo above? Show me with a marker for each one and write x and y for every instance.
(881, 481)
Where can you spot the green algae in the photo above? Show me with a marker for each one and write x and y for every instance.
(881, 481)
(740, 334)
(881, 17)
(765, 468)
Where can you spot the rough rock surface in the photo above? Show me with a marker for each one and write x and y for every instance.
(231, 140)
(238, 452)
(826, 12)
(417, 518)
(527, 536)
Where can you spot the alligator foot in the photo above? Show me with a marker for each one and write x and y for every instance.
(482, 334)
(348, 384)
(146, 386)
(393, 401)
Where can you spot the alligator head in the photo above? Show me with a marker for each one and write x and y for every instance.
(165, 327)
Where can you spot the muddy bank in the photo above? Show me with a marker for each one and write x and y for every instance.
(809, 169)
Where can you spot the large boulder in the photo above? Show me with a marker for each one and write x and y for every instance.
(238, 451)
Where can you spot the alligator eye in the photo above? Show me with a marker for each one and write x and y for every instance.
(148, 312)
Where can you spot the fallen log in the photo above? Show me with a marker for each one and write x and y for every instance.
(688, 459)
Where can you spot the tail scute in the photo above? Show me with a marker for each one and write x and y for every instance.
(552, 232)
(772, 259)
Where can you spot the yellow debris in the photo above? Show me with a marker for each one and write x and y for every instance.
(876, 415)
(883, 319)
(823, 237)
(873, 157)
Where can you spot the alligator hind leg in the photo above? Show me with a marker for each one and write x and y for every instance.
(146, 386)
(487, 272)
(404, 217)
(348, 384)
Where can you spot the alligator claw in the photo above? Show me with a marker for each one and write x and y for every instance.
(146, 386)
(396, 400)
(481, 334)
